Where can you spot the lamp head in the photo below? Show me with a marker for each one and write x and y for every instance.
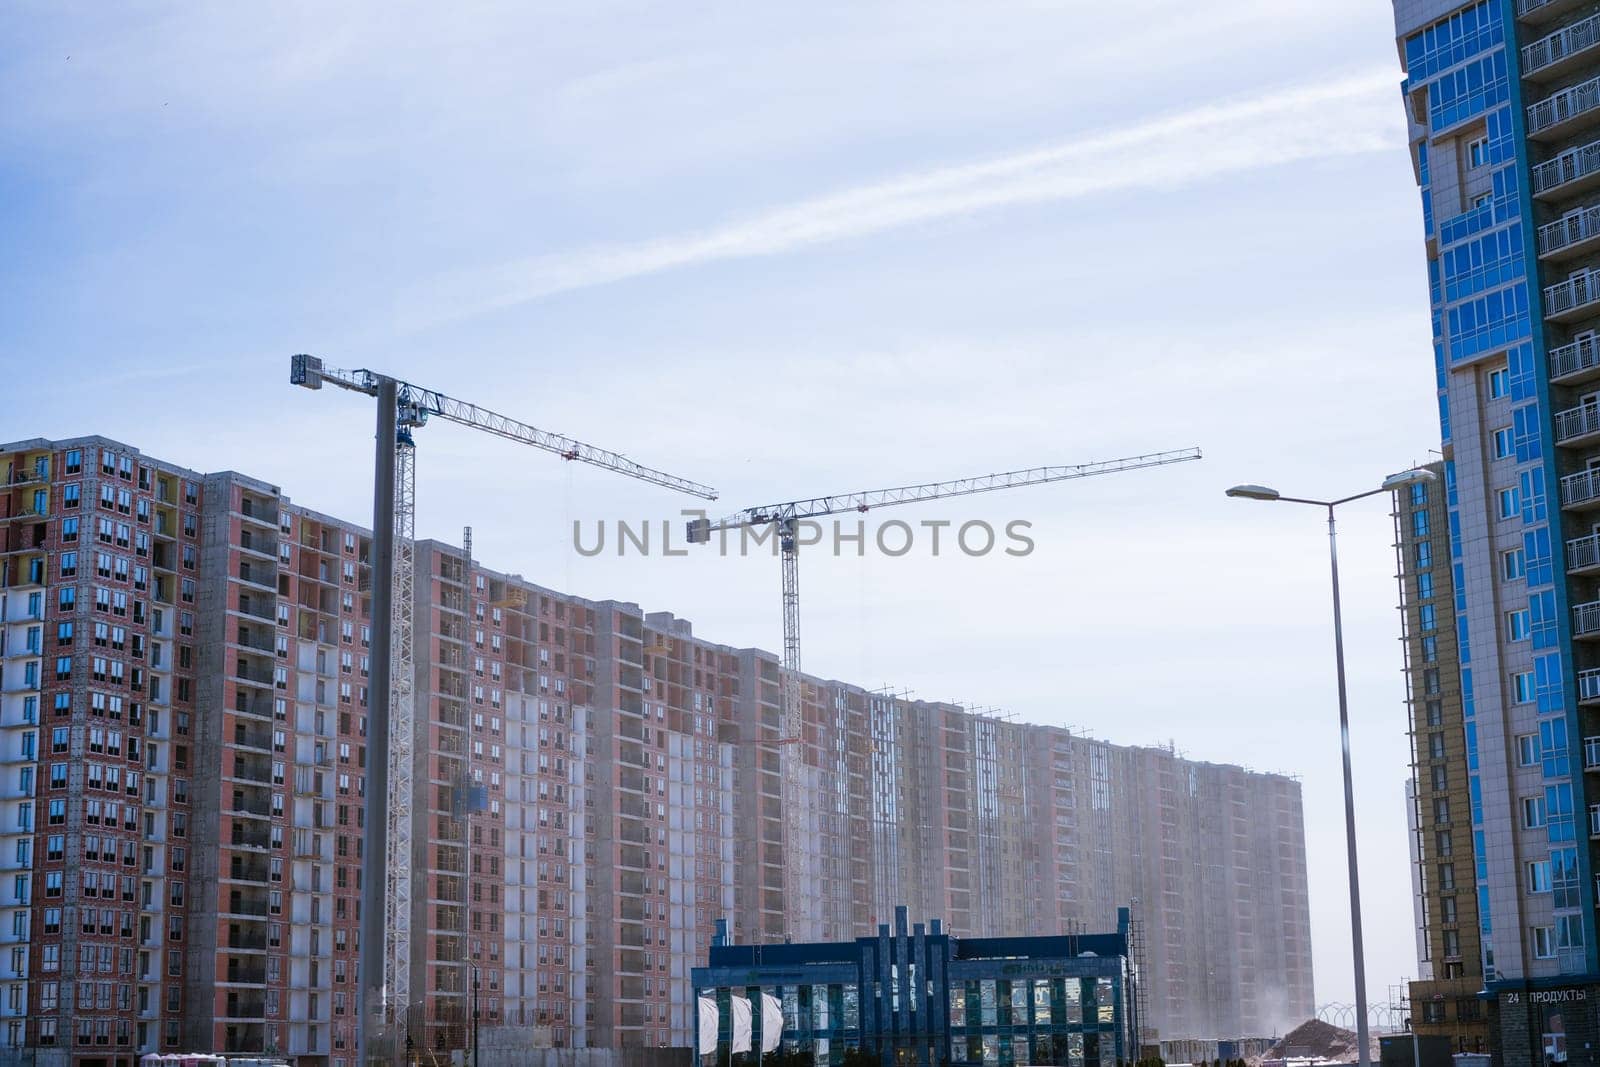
(1254, 492)
(1410, 477)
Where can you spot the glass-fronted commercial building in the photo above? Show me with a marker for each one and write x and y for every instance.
(921, 996)
(1503, 102)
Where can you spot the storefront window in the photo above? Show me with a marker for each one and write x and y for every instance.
(1041, 1003)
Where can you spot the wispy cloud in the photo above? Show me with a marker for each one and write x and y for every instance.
(1345, 117)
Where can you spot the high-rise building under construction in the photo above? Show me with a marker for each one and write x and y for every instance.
(183, 687)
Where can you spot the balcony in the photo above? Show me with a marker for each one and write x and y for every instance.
(1570, 172)
(1586, 619)
(1572, 298)
(1589, 688)
(1561, 51)
(1560, 112)
(1591, 753)
(262, 546)
(244, 806)
(1578, 361)
(21, 645)
(1541, 11)
(245, 837)
(249, 767)
(248, 906)
(259, 510)
(1571, 235)
(244, 1038)
(261, 576)
(262, 608)
(1581, 491)
(242, 974)
(258, 677)
(246, 737)
(251, 940)
(245, 1008)
(256, 640)
(1583, 554)
(1578, 425)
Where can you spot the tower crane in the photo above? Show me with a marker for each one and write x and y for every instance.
(384, 981)
(784, 519)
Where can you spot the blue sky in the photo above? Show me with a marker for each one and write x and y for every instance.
(787, 252)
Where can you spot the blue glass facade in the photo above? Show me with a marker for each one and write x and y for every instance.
(1477, 75)
(921, 996)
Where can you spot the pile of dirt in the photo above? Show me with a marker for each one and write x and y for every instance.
(1315, 1039)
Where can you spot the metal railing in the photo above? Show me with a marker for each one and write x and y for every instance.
(1580, 355)
(1574, 163)
(1569, 103)
(1589, 686)
(1577, 422)
(1591, 752)
(1531, 7)
(1560, 45)
(1582, 553)
(1577, 291)
(1572, 229)
(1586, 618)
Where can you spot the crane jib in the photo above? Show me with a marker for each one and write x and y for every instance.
(417, 403)
(699, 530)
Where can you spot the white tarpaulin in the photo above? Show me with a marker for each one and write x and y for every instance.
(771, 1023)
(741, 1024)
(708, 1026)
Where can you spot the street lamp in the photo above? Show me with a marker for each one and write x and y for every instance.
(1390, 484)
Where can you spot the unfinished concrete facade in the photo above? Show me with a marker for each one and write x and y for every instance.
(596, 786)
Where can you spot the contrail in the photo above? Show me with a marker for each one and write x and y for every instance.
(1324, 120)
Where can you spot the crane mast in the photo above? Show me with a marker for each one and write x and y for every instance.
(385, 984)
(785, 519)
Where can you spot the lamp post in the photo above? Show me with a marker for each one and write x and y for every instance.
(474, 1015)
(1390, 484)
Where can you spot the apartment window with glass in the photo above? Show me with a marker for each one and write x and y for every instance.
(1452, 943)
(1544, 942)
(1512, 565)
(1510, 502)
(1447, 876)
(1528, 750)
(1499, 383)
(1518, 626)
(1539, 876)
(1504, 448)
(1522, 688)
(1532, 812)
